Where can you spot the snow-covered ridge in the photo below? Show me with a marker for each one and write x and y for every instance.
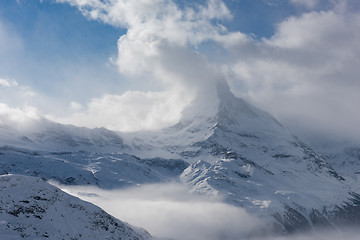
(45, 135)
(30, 208)
(105, 170)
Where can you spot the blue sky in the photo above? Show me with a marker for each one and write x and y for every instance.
(54, 34)
(58, 46)
(85, 62)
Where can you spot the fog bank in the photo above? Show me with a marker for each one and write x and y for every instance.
(169, 210)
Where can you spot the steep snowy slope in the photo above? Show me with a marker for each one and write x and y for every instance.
(345, 158)
(33, 209)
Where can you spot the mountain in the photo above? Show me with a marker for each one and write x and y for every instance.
(345, 158)
(243, 154)
(105, 170)
(42, 134)
(222, 146)
(33, 209)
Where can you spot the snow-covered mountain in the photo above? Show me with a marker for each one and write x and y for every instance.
(105, 170)
(30, 208)
(42, 134)
(222, 145)
(245, 155)
(345, 158)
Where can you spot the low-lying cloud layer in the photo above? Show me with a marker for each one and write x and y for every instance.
(169, 210)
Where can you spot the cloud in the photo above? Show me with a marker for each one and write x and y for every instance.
(14, 94)
(306, 73)
(159, 35)
(18, 117)
(75, 106)
(8, 83)
(160, 46)
(132, 111)
(169, 210)
(18, 112)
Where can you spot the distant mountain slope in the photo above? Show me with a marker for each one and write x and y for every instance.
(345, 158)
(33, 209)
(105, 170)
(42, 134)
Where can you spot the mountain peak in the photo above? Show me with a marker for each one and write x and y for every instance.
(217, 105)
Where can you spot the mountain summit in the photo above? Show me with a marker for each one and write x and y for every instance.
(219, 106)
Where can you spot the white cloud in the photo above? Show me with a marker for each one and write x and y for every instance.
(75, 106)
(158, 34)
(169, 210)
(307, 73)
(8, 83)
(131, 111)
(15, 94)
(17, 117)
(157, 48)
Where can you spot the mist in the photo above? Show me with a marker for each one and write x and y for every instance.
(171, 211)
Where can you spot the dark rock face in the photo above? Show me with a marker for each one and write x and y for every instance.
(348, 213)
(292, 220)
(320, 220)
(341, 217)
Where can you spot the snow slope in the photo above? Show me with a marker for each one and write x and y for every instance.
(105, 170)
(345, 158)
(42, 134)
(33, 209)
